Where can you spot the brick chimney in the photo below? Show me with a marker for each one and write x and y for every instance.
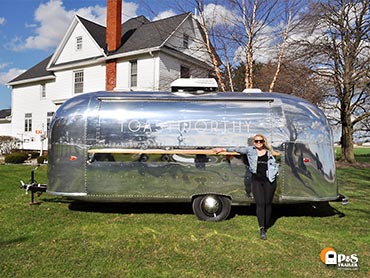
(113, 40)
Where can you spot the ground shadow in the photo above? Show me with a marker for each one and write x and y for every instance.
(129, 208)
(14, 241)
(315, 209)
(322, 209)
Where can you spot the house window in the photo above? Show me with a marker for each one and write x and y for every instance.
(28, 122)
(133, 72)
(49, 116)
(78, 81)
(184, 72)
(185, 41)
(78, 43)
(43, 91)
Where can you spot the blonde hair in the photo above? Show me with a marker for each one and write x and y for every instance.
(265, 144)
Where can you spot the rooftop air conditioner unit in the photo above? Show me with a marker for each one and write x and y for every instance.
(194, 85)
(252, 90)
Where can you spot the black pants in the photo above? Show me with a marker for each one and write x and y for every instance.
(263, 193)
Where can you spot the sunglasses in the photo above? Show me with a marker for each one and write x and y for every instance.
(259, 141)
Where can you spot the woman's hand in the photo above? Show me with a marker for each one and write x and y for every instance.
(218, 150)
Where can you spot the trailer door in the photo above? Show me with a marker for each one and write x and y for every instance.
(308, 173)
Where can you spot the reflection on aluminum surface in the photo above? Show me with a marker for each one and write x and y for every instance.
(179, 124)
(294, 127)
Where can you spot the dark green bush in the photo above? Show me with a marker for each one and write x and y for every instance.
(42, 159)
(16, 158)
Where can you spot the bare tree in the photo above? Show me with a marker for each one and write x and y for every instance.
(290, 20)
(252, 16)
(337, 48)
(294, 79)
(210, 49)
(235, 37)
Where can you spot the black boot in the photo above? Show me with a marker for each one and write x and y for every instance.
(263, 233)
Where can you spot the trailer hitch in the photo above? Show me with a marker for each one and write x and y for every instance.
(33, 187)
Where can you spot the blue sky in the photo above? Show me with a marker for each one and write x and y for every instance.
(30, 30)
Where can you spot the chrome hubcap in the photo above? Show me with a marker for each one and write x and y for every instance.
(210, 205)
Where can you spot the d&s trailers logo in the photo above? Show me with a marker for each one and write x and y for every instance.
(331, 258)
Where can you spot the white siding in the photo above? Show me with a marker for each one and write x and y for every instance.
(170, 70)
(94, 78)
(28, 100)
(6, 129)
(147, 74)
(69, 52)
(123, 75)
(63, 88)
(195, 49)
(146, 78)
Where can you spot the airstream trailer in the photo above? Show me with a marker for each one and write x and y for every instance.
(156, 147)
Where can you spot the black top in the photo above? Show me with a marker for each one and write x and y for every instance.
(262, 166)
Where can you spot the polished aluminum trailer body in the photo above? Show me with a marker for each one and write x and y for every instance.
(99, 146)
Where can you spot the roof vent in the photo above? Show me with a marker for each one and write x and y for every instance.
(194, 85)
(252, 90)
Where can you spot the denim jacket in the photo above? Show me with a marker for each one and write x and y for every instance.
(251, 152)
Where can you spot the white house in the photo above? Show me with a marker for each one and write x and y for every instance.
(5, 122)
(134, 56)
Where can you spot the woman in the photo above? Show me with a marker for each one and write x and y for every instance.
(264, 169)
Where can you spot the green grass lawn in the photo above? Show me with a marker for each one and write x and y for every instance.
(61, 238)
(362, 154)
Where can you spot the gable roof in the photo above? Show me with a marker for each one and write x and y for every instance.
(150, 34)
(35, 73)
(137, 34)
(5, 113)
(96, 31)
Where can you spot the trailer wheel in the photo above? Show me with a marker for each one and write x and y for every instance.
(143, 158)
(165, 157)
(211, 207)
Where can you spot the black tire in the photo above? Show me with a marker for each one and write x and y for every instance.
(143, 158)
(165, 157)
(211, 207)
